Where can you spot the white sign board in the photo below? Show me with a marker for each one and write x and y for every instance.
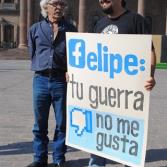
(107, 104)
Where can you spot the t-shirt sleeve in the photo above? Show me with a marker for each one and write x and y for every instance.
(142, 26)
(100, 24)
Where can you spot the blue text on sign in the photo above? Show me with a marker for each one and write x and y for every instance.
(102, 60)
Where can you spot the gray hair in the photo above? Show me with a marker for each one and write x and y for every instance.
(43, 5)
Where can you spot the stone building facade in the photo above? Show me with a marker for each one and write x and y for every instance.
(16, 16)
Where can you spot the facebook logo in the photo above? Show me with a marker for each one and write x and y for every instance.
(77, 53)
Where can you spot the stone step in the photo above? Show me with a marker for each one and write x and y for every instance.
(14, 54)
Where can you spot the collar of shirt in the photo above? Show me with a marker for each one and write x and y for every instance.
(61, 24)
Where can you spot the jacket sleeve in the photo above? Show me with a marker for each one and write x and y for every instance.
(31, 43)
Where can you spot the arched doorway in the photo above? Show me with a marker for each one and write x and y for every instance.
(8, 33)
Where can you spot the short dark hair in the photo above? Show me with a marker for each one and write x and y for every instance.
(123, 3)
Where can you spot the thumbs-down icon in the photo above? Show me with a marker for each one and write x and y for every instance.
(81, 120)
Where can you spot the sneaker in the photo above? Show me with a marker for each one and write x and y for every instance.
(60, 165)
(37, 164)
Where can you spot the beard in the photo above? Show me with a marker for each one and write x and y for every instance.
(108, 10)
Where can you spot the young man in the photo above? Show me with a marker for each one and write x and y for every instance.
(119, 20)
(47, 49)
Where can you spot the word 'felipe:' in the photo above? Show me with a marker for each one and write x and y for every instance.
(102, 60)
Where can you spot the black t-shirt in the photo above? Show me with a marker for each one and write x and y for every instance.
(127, 23)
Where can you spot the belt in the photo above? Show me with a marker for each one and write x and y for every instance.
(51, 73)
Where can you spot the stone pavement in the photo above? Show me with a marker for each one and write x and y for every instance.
(14, 54)
(16, 120)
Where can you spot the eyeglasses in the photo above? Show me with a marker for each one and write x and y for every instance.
(104, 1)
(55, 4)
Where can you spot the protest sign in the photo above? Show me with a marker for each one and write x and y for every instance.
(107, 104)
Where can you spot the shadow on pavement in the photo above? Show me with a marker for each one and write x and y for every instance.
(16, 148)
(156, 155)
(26, 148)
(78, 162)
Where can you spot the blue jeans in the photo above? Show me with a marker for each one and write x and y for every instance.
(46, 92)
(96, 161)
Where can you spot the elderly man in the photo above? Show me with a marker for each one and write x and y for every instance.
(47, 48)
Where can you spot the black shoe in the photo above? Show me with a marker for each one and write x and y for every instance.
(60, 165)
(37, 164)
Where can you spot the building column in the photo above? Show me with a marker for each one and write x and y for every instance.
(141, 7)
(2, 33)
(29, 13)
(23, 24)
(15, 34)
(82, 16)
